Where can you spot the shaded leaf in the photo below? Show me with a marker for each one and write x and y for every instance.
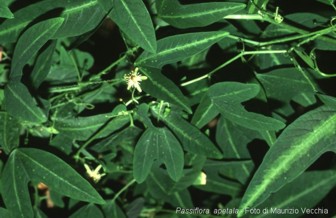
(134, 20)
(195, 15)
(89, 210)
(228, 96)
(157, 144)
(20, 104)
(159, 86)
(30, 43)
(299, 145)
(205, 112)
(45, 167)
(178, 47)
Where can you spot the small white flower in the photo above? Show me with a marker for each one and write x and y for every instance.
(133, 79)
(94, 174)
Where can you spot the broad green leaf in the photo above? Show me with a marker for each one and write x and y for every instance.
(5, 12)
(304, 192)
(195, 15)
(159, 86)
(14, 185)
(30, 43)
(80, 17)
(134, 20)
(299, 145)
(20, 104)
(45, 167)
(192, 139)
(89, 210)
(228, 96)
(157, 144)
(205, 112)
(9, 132)
(4, 212)
(178, 47)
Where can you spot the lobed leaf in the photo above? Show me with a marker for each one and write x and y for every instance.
(178, 47)
(157, 145)
(299, 145)
(133, 19)
(195, 15)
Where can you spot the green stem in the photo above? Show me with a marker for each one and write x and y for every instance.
(232, 60)
(123, 189)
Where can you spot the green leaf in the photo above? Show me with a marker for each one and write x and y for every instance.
(134, 20)
(205, 112)
(9, 132)
(30, 43)
(89, 210)
(299, 145)
(178, 47)
(20, 104)
(14, 185)
(304, 192)
(5, 12)
(80, 17)
(159, 86)
(195, 15)
(42, 65)
(45, 167)
(192, 139)
(228, 96)
(112, 210)
(4, 212)
(82, 128)
(157, 145)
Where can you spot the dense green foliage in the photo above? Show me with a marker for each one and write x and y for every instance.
(144, 108)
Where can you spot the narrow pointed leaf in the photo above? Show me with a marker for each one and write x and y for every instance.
(300, 144)
(195, 15)
(157, 144)
(30, 43)
(80, 17)
(192, 138)
(178, 47)
(14, 188)
(45, 167)
(134, 20)
(304, 192)
(21, 104)
(159, 86)
(9, 132)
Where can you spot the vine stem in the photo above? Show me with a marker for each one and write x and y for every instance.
(123, 189)
(243, 53)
